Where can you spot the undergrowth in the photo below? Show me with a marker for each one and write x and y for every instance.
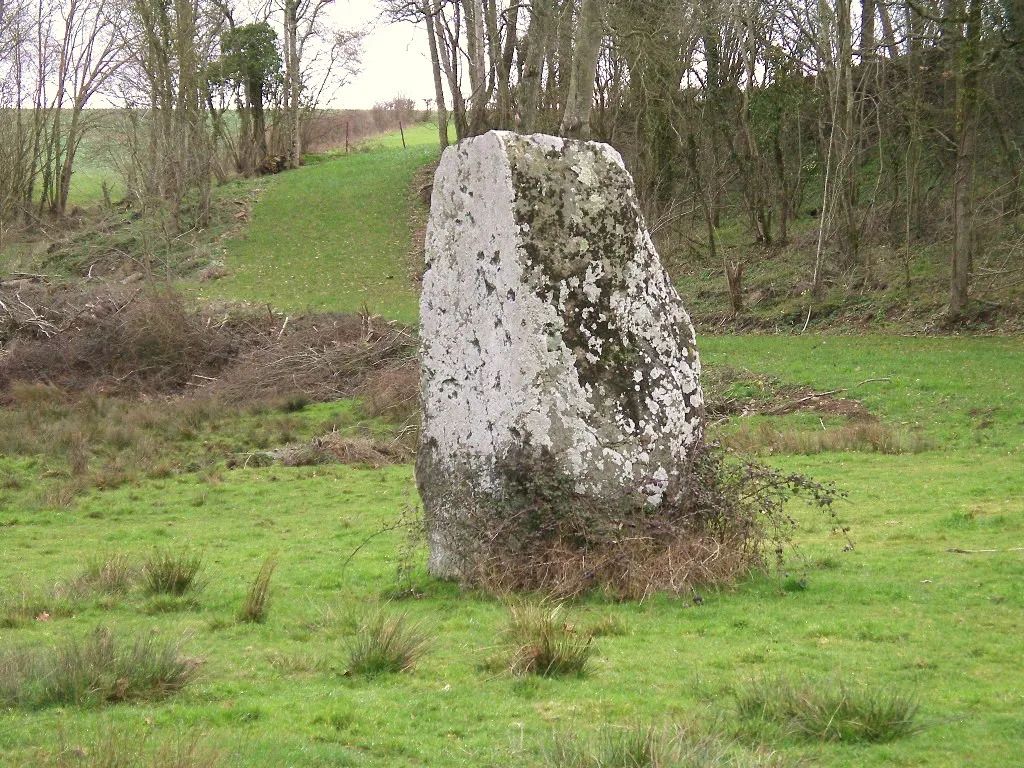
(724, 519)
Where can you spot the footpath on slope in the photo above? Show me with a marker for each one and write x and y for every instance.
(334, 235)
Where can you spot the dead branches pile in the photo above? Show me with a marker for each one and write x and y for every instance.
(143, 340)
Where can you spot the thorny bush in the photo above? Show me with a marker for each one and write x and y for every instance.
(542, 534)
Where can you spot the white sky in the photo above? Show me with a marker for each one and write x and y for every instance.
(395, 62)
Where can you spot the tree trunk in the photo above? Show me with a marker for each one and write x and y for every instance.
(435, 64)
(293, 84)
(447, 50)
(967, 103)
(505, 101)
(533, 66)
(580, 96)
(476, 51)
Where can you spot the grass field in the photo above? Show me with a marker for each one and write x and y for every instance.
(900, 614)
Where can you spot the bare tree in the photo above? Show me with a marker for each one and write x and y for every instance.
(316, 57)
(91, 52)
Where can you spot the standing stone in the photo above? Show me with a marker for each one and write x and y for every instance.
(547, 324)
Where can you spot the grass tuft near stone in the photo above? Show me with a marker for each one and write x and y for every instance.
(542, 641)
(385, 644)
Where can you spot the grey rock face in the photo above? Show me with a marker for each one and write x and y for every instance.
(547, 322)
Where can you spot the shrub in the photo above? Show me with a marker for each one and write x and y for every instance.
(172, 573)
(100, 669)
(831, 709)
(257, 598)
(385, 644)
(542, 642)
(724, 519)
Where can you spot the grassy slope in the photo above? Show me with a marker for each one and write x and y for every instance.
(333, 235)
(900, 610)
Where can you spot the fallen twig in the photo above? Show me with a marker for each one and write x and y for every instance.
(958, 551)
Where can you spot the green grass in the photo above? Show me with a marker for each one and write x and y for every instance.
(900, 613)
(333, 235)
(95, 165)
(959, 392)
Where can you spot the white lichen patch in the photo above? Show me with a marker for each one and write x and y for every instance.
(547, 323)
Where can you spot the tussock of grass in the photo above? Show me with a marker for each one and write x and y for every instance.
(128, 749)
(172, 573)
(110, 575)
(543, 642)
(257, 598)
(385, 644)
(645, 746)
(830, 710)
(100, 669)
(34, 604)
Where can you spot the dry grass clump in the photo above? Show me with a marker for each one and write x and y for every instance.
(257, 598)
(385, 644)
(645, 746)
(868, 436)
(543, 642)
(99, 669)
(628, 568)
(130, 749)
(830, 709)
